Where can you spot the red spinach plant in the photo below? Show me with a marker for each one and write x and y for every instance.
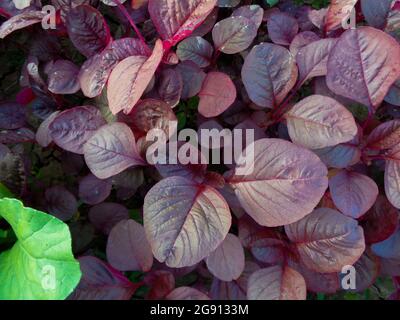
(321, 94)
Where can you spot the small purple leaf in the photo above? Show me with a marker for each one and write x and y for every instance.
(93, 190)
(127, 247)
(353, 193)
(227, 261)
(72, 128)
(111, 150)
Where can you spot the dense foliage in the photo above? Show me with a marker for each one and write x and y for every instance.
(318, 82)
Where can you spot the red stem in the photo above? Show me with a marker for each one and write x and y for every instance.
(277, 113)
(132, 23)
(368, 120)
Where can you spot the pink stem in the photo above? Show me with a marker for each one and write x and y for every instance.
(368, 120)
(131, 22)
(277, 112)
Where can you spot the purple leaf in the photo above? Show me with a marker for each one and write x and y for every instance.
(12, 116)
(363, 65)
(228, 3)
(312, 59)
(170, 87)
(207, 25)
(191, 171)
(367, 270)
(192, 77)
(161, 283)
(389, 248)
(175, 20)
(130, 78)
(392, 25)
(105, 216)
(233, 290)
(111, 150)
(286, 184)
(318, 122)
(393, 96)
(93, 190)
(195, 49)
(233, 35)
(268, 250)
(61, 203)
(342, 155)
(72, 128)
(380, 222)
(102, 282)
(112, 3)
(187, 293)
(321, 88)
(301, 40)
(282, 28)
(63, 77)
(96, 70)
(318, 17)
(392, 182)
(17, 136)
(390, 267)
(217, 94)
(129, 180)
(43, 134)
(227, 261)
(252, 12)
(20, 21)
(269, 73)
(250, 231)
(87, 30)
(376, 12)
(353, 193)
(201, 220)
(327, 240)
(276, 283)
(317, 282)
(385, 136)
(66, 5)
(127, 247)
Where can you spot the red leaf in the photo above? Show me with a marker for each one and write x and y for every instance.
(363, 65)
(327, 240)
(353, 193)
(199, 213)
(175, 20)
(127, 247)
(217, 94)
(286, 184)
(130, 78)
(276, 283)
(87, 30)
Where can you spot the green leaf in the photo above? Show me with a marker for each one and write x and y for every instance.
(40, 265)
(181, 120)
(4, 192)
(3, 234)
(272, 2)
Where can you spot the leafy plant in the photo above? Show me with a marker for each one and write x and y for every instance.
(40, 265)
(322, 193)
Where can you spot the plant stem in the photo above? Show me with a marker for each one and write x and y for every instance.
(132, 23)
(277, 113)
(368, 120)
